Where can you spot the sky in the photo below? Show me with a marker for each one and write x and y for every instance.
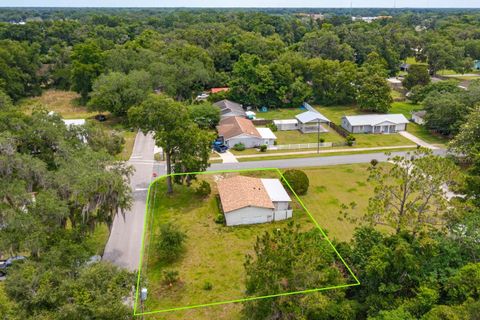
(244, 3)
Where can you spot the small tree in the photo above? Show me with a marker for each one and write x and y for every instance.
(298, 180)
(171, 242)
(203, 190)
(417, 76)
(263, 148)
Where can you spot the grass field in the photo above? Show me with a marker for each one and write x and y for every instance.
(272, 156)
(66, 104)
(295, 136)
(215, 253)
(63, 102)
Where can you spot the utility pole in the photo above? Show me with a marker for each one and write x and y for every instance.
(318, 135)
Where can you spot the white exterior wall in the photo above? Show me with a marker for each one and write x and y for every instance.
(248, 215)
(249, 141)
(401, 127)
(286, 126)
(417, 119)
(346, 125)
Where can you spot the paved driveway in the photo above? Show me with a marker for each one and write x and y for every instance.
(417, 140)
(124, 245)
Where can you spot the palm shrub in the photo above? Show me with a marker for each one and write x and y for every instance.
(298, 180)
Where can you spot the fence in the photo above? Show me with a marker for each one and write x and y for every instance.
(344, 133)
(300, 146)
(261, 122)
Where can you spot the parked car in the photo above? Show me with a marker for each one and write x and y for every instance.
(219, 147)
(101, 117)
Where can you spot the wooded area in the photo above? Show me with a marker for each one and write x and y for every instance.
(61, 187)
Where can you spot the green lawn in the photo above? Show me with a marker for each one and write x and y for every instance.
(279, 113)
(215, 253)
(295, 136)
(272, 156)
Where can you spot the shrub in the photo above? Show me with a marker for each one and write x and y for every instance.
(263, 148)
(204, 189)
(321, 140)
(220, 218)
(239, 147)
(298, 180)
(207, 286)
(272, 127)
(373, 162)
(275, 142)
(350, 140)
(171, 242)
(169, 277)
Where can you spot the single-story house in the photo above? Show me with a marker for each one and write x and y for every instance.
(404, 67)
(235, 130)
(286, 124)
(309, 121)
(73, 122)
(230, 109)
(419, 116)
(248, 200)
(375, 123)
(476, 65)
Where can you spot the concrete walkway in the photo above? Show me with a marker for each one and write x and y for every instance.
(274, 154)
(228, 157)
(417, 140)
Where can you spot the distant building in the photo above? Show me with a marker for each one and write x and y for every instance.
(404, 67)
(217, 90)
(419, 117)
(230, 109)
(476, 65)
(375, 123)
(248, 200)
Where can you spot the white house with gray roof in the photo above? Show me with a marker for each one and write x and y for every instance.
(306, 122)
(375, 123)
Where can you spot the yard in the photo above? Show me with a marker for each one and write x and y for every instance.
(214, 253)
(295, 136)
(66, 104)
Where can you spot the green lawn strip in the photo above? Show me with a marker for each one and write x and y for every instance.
(332, 186)
(296, 137)
(279, 113)
(310, 155)
(129, 137)
(214, 253)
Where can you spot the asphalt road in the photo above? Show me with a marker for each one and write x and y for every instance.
(310, 162)
(124, 245)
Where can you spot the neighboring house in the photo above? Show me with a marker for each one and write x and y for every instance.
(476, 65)
(248, 200)
(419, 117)
(375, 123)
(310, 121)
(287, 124)
(217, 90)
(235, 130)
(73, 122)
(230, 109)
(404, 67)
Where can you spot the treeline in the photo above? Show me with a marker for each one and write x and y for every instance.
(267, 58)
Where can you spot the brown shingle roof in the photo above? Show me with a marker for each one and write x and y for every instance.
(240, 191)
(235, 126)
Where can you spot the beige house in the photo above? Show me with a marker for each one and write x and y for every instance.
(235, 130)
(247, 200)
